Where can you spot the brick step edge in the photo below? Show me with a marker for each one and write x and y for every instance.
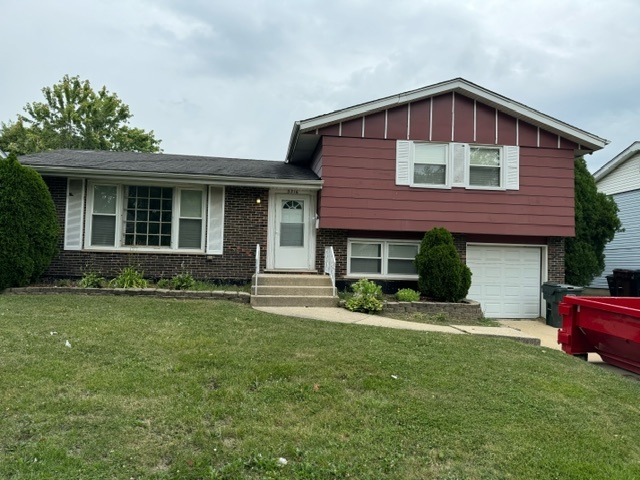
(241, 297)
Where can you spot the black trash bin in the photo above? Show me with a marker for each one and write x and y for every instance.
(613, 286)
(627, 282)
(553, 293)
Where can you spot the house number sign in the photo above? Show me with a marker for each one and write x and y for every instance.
(293, 192)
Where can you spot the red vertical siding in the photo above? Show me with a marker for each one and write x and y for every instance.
(463, 119)
(352, 128)
(548, 139)
(445, 118)
(397, 120)
(527, 134)
(374, 125)
(359, 193)
(420, 120)
(330, 130)
(506, 130)
(564, 143)
(442, 118)
(485, 124)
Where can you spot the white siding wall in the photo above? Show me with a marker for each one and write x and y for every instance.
(624, 250)
(623, 179)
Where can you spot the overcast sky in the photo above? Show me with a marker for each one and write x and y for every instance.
(229, 78)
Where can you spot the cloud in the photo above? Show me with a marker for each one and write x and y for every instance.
(229, 78)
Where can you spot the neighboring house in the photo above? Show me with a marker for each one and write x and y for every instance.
(620, 178)
(368, 180)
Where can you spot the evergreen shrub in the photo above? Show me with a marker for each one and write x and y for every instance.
(29, 230)
(441, 274)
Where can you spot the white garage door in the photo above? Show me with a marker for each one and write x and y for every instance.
(506, 280)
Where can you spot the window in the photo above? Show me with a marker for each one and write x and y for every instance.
(190, 229)
(377, 258)
(485, 167)
(292, 223)
(104, 216)
(450, 165)
(430, 164)
(150, 217)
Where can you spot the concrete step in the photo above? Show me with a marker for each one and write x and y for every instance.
(302, 280)
(287, 301)
(294, 291)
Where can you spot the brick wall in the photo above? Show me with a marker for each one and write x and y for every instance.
(556, 259)
(338, 239)
(245, 225)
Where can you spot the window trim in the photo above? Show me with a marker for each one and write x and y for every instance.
(458, 165)
(447, 166)
(503, 178)
(120, 218)
(384, 250)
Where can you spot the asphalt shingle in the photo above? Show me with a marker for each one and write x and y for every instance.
(123, 162)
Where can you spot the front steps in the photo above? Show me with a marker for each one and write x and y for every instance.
(292, 290)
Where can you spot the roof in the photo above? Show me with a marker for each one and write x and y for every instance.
(228, 170)
(616, 161)
(303, 138)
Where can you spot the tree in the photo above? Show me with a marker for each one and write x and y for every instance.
(29, 228)
(75, 116)
(597, 222)
(441, 274)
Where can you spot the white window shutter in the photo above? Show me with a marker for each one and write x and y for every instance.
(512, 163)
(74, 214)
(403, 162)
(459, 164)
(215, 221)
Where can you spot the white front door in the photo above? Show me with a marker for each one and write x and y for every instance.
(293, 232)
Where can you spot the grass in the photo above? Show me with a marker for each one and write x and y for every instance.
(440, 319)
(159, 389)
(199, 285)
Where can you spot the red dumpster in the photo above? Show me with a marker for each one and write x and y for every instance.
(608, 326)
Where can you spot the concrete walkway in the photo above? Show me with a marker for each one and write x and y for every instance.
(533, 332)
(342, 315)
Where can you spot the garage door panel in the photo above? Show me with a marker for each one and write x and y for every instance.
(506, 280)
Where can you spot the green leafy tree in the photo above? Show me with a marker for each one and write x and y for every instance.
(597, 222)
(29, 228)
(441, 274)
(75, 116)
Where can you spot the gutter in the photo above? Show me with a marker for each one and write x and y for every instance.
(293, 141)
(180, 177)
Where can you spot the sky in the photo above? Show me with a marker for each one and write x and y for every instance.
(229, 78)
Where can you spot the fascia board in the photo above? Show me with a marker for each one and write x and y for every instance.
(616, 161)
(505, 104)
(177, 178)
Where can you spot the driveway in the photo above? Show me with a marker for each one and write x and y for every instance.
(549, 338)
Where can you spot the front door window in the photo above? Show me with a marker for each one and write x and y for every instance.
(292, 223)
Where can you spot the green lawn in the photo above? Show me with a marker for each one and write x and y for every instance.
(157, 388)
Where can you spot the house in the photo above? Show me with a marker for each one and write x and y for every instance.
(620, 178)
(368, 181)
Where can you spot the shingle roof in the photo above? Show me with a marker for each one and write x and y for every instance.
(166, 164)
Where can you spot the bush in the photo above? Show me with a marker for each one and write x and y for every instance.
(407, 295)
(29, 228)
(441, 274)
(92, 280)
(367, 297)
(183, 281)
(129, 278)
